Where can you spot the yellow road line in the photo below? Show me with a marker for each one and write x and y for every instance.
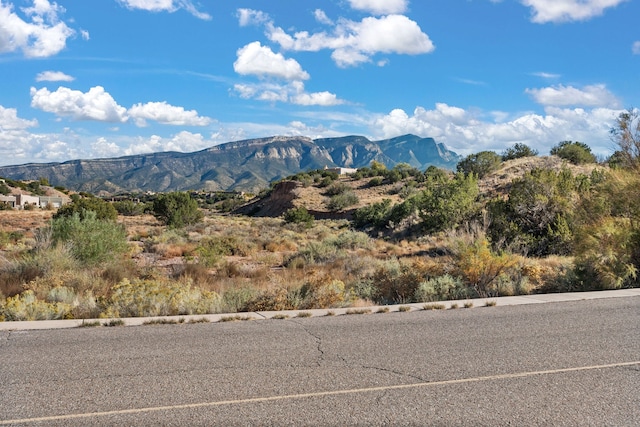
(316, 394)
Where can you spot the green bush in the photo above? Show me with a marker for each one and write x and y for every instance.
(575, 152)
(129, 207)
(518, 151)
(83, 205)
(4, 189)
(211, 250)
(177, 209)
(607, 255)
(336, 188)
(537, 216)
(396, 282)
(447, 204)
(480, 164)
(299, 215)
(373, 215)
(376, 181)
(342, 201)
(91, 240)
(443, 288)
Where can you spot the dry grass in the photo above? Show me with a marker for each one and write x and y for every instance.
(271, 265)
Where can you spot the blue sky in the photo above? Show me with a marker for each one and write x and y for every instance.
(105, 78)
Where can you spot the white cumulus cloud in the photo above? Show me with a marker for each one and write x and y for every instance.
(248, 17)
(544, 11)
(380, 7)
(54, 76)
(293, 92)
(165, 6)
(164, 113)
(354, 42)
(255, 59)
(96, 104)
(588, 96)
(9, 120)
(468, 132)
(635, 48)
(42, 36)
(322, 17)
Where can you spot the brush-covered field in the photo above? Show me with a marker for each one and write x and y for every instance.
(377, 237)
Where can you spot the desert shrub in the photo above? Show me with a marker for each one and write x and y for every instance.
(82, 206)
(342, 201)
(626, 134)
(607, 255)
(274, 299)
(157, 297)
(336, 188)
(396, 282)
(607, 242)
(373, 215)
(27, 307)
(537, 217)
(376, 181)
(446, 204)
(177, 209)
(234, 299)
(129, 207)
(4, 189)
(321, 291)
(350, 240)
(575, 152)
(212, 249)
(443, 288)
(14, 275)
(435, 174)
(315, 253)
(299, 215)
(517, 151)
(479, 266)
(90, 239)
(480, 164)
(9, 237)
(363, 289)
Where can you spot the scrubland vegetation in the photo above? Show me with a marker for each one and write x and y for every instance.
(429, 236)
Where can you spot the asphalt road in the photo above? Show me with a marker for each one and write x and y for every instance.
(571, 363)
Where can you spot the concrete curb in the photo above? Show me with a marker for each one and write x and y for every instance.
(263, 315)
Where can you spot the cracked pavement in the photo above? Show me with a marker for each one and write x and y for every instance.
(343, 370)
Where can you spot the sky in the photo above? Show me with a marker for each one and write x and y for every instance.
(84, 79)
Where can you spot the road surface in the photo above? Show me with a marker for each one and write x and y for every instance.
(569, 363)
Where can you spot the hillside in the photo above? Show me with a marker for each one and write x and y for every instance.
(248, 165)
(290, 194)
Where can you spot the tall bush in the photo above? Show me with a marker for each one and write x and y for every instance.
(83, 205)
(576, 152)
(91, 240)
(447, 204)
(177, 209)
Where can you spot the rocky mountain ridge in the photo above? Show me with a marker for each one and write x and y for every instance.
(248, 165)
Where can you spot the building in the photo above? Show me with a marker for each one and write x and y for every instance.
(9, 200)
(49, 201)
(22, 200)
(341, 171)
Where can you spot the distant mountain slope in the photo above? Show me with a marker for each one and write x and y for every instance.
(248, 165)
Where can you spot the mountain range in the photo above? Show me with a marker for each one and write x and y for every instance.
(248, 165)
